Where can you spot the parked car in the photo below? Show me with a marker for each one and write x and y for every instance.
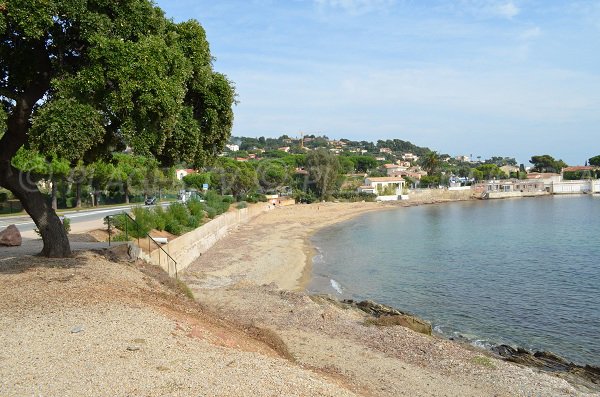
(150, 201)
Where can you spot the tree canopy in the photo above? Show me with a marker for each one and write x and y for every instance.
(546, 163)
(80, 80)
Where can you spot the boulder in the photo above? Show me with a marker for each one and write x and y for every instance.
(10, 237)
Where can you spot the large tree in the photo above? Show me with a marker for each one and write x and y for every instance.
(81, 79)
(546, 163)
(595, 161)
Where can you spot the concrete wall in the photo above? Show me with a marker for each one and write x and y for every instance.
(503, 195)
(573, 187)
(189, 247)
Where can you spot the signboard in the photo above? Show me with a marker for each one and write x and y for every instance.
(205, 186)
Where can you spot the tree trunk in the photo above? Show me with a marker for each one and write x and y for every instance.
(126, 189)
(56, 242)
(54, 193)
(78, 195)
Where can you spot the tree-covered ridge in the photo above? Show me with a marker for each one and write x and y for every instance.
(80, 80)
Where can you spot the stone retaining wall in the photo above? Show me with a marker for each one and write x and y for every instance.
(441, 194)
(187, 248)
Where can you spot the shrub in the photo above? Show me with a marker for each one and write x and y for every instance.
(119, 237)
(241, 205)
(144, 222)
(159, 218)
(210, 212)
(228, 199)
(174, 227)
(179, 213)
(195, 208)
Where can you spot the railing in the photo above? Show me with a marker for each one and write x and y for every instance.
(150, 241)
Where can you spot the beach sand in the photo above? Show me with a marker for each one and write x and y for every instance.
(256, 276)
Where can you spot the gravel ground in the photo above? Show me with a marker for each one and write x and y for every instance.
(88, 326)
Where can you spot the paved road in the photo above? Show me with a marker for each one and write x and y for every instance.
(25, 224)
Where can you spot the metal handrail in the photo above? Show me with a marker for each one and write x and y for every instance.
(147, 235)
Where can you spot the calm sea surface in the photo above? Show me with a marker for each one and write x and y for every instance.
(524, 272)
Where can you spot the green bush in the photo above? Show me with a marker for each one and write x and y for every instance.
(228, 199)
(159, 218)
(179, 213)
(144, 222)
(210, 212)
(195, 208)
(241, 205)
(174, 227)
(119, 237)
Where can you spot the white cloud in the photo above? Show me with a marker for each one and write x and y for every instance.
(507, 10)
(356, 6)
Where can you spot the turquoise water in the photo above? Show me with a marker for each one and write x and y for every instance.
(523, 272)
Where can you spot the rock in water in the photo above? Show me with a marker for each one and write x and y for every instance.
(10, 237)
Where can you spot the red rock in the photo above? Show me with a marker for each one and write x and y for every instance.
(10, 237)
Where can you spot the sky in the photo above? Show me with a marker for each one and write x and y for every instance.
(467, 77)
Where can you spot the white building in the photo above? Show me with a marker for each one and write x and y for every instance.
(232, 147)
(383, 186)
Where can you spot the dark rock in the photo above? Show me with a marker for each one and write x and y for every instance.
(384, 315)
(10, 237)
(587, 376)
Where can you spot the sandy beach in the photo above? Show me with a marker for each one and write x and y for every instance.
(257, 274)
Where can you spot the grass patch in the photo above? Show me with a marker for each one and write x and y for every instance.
(483, 361)
(183, 288)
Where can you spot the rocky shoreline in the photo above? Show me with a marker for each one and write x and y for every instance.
(383, 315)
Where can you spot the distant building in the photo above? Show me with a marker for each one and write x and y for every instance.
(463, 158)
(284, 149)
(183, 172)
(410, 157)
(385, 150)
(393, 169)
(232, 147)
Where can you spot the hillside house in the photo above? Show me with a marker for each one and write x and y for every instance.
(183, 172)
(383, 186)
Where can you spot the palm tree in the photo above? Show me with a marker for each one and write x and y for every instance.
(431, 162)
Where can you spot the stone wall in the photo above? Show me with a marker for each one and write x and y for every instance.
(441, 194)
(187, 248)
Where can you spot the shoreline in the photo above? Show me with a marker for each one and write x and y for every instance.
(544, 360)
(259, 273)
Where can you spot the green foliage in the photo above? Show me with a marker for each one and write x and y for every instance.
(364, 163)
(242, 205)
(476, 174)
(430, 162)
(144, 222)
(272, 174)
(430, 180)
(218, 203)
(547, 163)
(66, 128)
(196, 208)
(491, 171)
(121, 236)
(354, 196)
(196, 180)
(323, 168)
(595, 161)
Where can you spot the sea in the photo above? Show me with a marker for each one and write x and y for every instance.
(521, 272)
